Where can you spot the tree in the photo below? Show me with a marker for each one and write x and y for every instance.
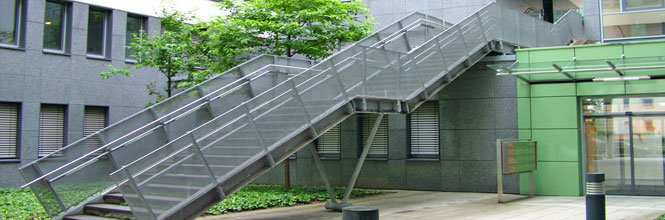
(178, 50)
(312, 28)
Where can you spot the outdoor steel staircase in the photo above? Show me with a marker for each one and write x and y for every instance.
(176, 159)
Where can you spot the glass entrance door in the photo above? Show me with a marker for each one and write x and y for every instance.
(608, 151)
(648, 163)
(625, 139)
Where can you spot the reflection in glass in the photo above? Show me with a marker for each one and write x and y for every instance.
(633, 18)
(54, 23)
(623, 104)
(8, 21)
(96, 31)
(608, 152)
(134, 28)
(648, 146)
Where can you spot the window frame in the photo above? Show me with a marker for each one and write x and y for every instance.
(64, 130)
(106, 28)
(66, 19)
(143, 29)
(19, 20)
(361, 144)
(327, 155)
(18, 125)
(622, 11)
(409, 134)
(105, 109)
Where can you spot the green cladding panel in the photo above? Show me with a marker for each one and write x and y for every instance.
(600, 88)
(556, 89)
(554, 178)
(557, 144)
(554, 112)
(594, 52)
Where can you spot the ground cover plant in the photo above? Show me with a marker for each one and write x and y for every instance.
(264, 196)
(21, 204)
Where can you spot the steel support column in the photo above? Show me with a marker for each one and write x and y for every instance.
(359, 166)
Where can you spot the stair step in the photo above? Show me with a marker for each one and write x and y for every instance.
(101, 208)
(114, 198)
(86, 217)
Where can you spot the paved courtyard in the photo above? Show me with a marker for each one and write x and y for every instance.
(397, 204)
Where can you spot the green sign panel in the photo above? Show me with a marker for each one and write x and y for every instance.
(518, 156)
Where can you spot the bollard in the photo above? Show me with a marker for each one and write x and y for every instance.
(360, 213)
(595, 196)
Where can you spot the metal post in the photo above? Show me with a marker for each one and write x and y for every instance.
(322, 172)
(197, 150)
(595, 196)
(248, 112)
(304, 108)
(139, 193)
(499, 175)
(364, 71)
(359, 166)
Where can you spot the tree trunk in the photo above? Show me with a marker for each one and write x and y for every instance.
(287, 171)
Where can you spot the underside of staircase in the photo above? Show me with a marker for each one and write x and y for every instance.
(180, 157)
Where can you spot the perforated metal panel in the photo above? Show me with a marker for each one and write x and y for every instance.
(328, 145)
(8, 130)
(424, 131)
(51, 128)
(379, 147)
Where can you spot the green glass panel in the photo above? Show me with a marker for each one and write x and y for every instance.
(559, 54)
(645, 86)
(601, 88)
(546, 90)
(644, 49)
(557, 144)
(523, 113)
(606, 51)
(554, 179)
(555, 112)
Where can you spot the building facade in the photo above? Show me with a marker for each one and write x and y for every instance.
(51, 93)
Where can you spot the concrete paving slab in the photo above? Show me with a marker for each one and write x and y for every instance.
(400, 204)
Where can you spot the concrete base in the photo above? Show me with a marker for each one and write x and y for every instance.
(336, 206)
(360, 213)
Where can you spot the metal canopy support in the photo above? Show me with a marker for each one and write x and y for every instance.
(359, 166)
(614, 67)
(557, 67)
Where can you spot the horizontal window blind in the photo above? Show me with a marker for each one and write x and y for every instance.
(379, 147)
(328, 145)
(8, 130)
(424, 131)
(51, 129)
(94, 119)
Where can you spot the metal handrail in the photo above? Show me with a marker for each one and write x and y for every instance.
(156, 121)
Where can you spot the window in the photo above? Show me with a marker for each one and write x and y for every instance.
(97, 32)
(631, 19)
(51, 128)
(8, 130)
(379, 147)
(10, 22)
(328, 145)
(423, 127)
(135, 26)
(94, 119)
(55, 26)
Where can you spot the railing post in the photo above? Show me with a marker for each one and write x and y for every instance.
(139, 193)
(418, 74)
(304, 108)
(197, 150)
(364, 57)
(258, 134)
(50, 187)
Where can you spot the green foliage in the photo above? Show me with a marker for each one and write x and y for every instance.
(264, 196)
(20, 204)
(311, 28)
(661, 217)
(178, 50)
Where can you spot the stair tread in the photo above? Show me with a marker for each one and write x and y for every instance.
(86, 217)
(109, 207)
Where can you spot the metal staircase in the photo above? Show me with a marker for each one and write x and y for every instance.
(178, 158)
